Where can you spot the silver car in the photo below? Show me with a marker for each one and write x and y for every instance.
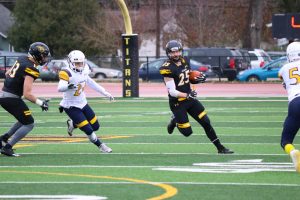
(102, 73)
(49, 72)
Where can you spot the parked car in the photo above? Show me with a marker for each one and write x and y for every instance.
(270, 70)
(246, 63)
(49, 72)
(276, 54)
(153, 69)
(258, 58)
(102, 73)
(225, 62)
(7, 60)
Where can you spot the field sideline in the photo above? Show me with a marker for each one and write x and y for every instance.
(147, 162)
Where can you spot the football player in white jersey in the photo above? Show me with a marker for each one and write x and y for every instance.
(290, 73)
(72, 82)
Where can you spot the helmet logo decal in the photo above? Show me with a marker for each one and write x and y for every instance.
(40, 49)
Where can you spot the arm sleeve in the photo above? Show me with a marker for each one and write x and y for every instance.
(172, 88)
(91, 83)
(62, 85)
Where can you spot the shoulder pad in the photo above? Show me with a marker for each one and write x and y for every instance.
(64, 75)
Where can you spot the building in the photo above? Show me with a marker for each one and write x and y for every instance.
(6, 21)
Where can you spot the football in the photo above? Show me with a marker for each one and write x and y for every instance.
(193, 76)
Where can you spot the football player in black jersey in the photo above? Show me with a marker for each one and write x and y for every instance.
(18, 82)
(182, 98)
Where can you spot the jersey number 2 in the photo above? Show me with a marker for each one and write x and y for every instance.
(184, 78)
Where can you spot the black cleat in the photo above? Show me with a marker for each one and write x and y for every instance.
(8, 152)
(3, 142)
(171, 125)
(225, 151)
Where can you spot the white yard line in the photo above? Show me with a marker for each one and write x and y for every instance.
(173, 183)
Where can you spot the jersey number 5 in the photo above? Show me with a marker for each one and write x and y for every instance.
(292, 75)
(184, 78)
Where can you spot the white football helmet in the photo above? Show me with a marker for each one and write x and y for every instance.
(76, 60)
(293, 51)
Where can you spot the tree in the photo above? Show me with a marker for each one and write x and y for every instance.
(289, 6)
(63, 25)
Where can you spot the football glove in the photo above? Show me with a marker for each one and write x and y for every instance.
(109, 96)
(200, 79)
(192, 95)
(45, 105)
(61, 109)
(72, 86)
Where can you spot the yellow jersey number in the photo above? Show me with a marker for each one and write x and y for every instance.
(295, 76)
(79, 90)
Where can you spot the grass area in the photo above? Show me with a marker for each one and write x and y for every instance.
(147, 162)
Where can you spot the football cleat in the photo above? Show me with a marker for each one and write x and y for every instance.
(105, 149)
(224, 150)
(70, 127)
(172, 124)
(3, 142)
(9, 152)
(295, 155)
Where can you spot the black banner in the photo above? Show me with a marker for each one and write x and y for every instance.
(130, 65)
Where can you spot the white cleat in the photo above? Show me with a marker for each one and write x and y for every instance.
(105, 149)
(295, 155)
(70, 127)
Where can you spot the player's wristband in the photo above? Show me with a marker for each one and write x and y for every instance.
(39, 102)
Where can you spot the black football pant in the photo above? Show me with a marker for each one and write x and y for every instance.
(193, 107)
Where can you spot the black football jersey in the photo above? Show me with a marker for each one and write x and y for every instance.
(14, 81)
(180, 74)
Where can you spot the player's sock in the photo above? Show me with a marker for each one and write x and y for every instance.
(20, 133)
(94, 139)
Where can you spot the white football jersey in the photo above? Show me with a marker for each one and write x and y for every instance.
(290, 74)
(75, 97)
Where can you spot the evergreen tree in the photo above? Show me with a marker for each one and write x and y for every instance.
(57, 23)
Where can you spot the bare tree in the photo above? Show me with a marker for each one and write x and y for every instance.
(255, 27)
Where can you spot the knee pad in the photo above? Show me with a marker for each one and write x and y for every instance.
(186, 131)
(96, 126)
(27, 121)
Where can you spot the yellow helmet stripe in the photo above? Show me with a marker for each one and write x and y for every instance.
(185, 125)
(81, 124)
